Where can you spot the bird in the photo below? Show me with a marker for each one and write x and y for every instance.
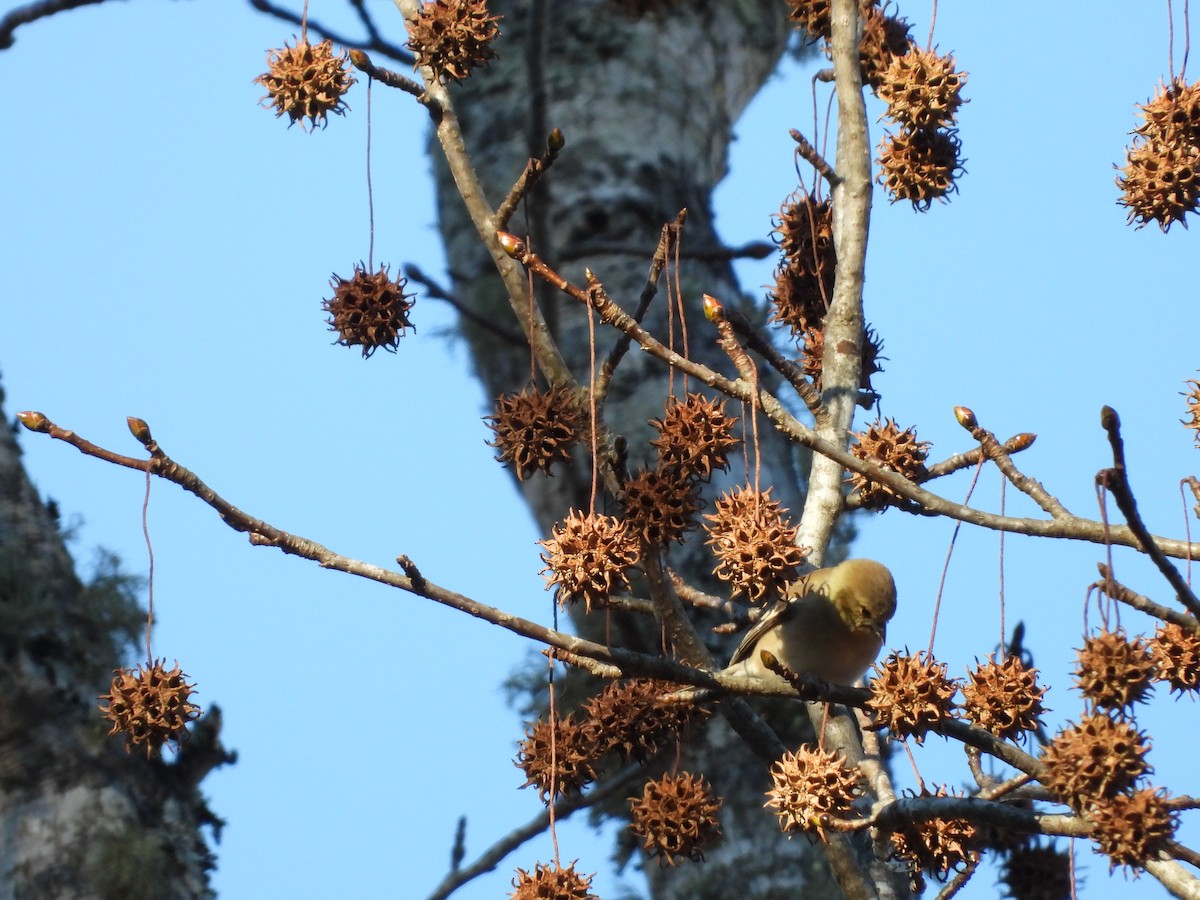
(830, 623)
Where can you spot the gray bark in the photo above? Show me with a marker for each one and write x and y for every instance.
(647, 107)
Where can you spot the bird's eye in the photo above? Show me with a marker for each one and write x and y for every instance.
(864, 614)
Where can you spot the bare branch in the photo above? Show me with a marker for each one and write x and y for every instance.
(1116, 480)
(31, 12)
(374, 43)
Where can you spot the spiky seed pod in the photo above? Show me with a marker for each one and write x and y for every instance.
(1172, 114)
(453, 37)
(812, 356)
(810, 787)
(151, 705)
(798, 302)
(369, 310)
(549, 882)
(558, 752)
(1160, 182)
(1094, 760)
(911, 695)
(1112, 671)
(306, 81)
(813, 16)
(631, 718)
(921, 89)
(895, 449)
(535, 429)
(754, 543)
(1176, 657)
(920, 166)
(695, 436)
(675, 817)
(660, 507)
(804, 230)
(1037, 872)
(587, 557)
(1004, 698)
(884, 38)
(1192, 398)
(1130, 828)
(937, 847)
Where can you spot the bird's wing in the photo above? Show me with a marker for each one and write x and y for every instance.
(782, 609)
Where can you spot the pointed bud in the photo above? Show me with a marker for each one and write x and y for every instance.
(511, 244)
(1022, 441)
(359, 59)
(592, 280)
(713, 310)
(139, 429)
(768, 659)
(556, 141)
(965, 417)
(34, 421)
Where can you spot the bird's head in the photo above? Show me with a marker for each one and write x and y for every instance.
(864, 594)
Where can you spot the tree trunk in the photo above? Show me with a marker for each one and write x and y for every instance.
(647, 107)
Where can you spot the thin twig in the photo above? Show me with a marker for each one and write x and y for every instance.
(375, 44)
(491, 858)
(363, 63)
(1116, 480)
(809, 152)
(31, 12)
(1071, 527)
(437, 292)
(535, 168)
(1110, 587)
(997, 454)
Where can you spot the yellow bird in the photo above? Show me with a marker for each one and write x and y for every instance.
(830, 623)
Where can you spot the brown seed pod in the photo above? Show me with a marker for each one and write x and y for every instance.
(306, 81)
(675, 817)
(453, 37)
(695, 436)
(1112, 671)
(631, 718)
(754, 543)
(560, 756)
(587, 558)
(810, 787)
(922, 90)
(369, 310)
(1192, 398)
(1131, 828)
(920, 166)
(535, 429)
(660, 506)
(1004, 698)
(550, 882)
(151, 705)
(910, 695)
(936, 847)
(890, 447)
(1176, 657)
(1094, 760)
(1037, 872)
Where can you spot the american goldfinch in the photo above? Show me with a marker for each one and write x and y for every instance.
(830, 623)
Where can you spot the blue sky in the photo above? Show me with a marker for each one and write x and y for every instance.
(167, 249)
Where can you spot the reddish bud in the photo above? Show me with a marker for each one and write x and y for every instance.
(556, 141)
(713, 310)
(511, 244)
(139, 429)
(965, 417)
(34, 421)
